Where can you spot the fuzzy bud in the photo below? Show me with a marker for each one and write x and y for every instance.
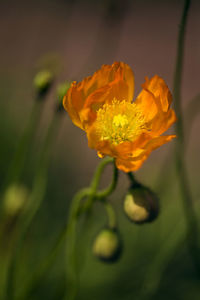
(141, 205)
(15, 199)
(61, 92)
(43, 81)
(107, 245)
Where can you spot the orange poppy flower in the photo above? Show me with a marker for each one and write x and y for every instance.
(102, 106)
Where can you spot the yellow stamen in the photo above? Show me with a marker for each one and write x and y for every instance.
(120, 121)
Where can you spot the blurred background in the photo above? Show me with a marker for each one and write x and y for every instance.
(73, 39)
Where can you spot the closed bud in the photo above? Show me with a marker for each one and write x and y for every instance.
(141, 205)
(15, 199)
(107, 245)
(43, 81)
(61, 92)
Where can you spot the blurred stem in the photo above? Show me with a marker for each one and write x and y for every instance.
(17, 163)
(192, 226)
(162, 258)
(35, 201)
(192, 111)
(68, 234)
(95, 182)
(112, 220)
(107, 191)
(71, 267)
(49, 259)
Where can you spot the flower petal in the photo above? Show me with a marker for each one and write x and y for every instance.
(133, 164)
(157, 86)
(154, 98)
(162, 122)
(111, 81)
(147, 104)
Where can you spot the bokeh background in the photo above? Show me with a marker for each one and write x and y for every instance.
(74, 38)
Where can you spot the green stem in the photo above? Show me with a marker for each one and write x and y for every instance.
(17, 164)
(107, 191)
(96, 180)
(71, 267)
(47, 262)
(190, 216)
(191, 112)
(71, 240)
(98, 172)
(43, 267)
(134, 182)
(69, 233)
(35, 201)
(162, 258)
(112, 220)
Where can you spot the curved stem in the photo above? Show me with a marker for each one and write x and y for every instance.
(96, 180)
(71, 267)
(112, 220)
(107, 191)
(46, 263)
(98, 172)
(134, 182)
(70, 230)
(71, 240)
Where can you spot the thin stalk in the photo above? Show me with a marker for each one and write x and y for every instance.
(70, 229)
(112, 220)
(71, 240)
(18, 161)
(163, 256)
(134, 182)
(96, 180)
(190, 216)
(35, 201)
(71, 267)
(107, 191)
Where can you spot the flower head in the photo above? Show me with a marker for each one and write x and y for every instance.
(102, 106)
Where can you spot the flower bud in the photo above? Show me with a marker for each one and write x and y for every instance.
(141, 205)
(43, 81)
(61, 92)
(15, 199)
(107, 245)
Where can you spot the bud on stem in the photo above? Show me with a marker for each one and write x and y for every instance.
(107, 245)
(141, 205)
(43, 81)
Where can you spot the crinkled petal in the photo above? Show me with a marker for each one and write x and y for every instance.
(133, 164)
(157, 86)
(146, 102)
(111, 81)
(163, 122)
(154, 98)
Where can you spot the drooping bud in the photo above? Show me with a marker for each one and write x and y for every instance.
(141, 205)
(15, 199)
(43, 81)
(107, 245)
(61, 92)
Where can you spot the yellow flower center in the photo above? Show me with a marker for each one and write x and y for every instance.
(120, 121)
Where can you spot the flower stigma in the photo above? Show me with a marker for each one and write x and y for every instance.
(120, 121)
